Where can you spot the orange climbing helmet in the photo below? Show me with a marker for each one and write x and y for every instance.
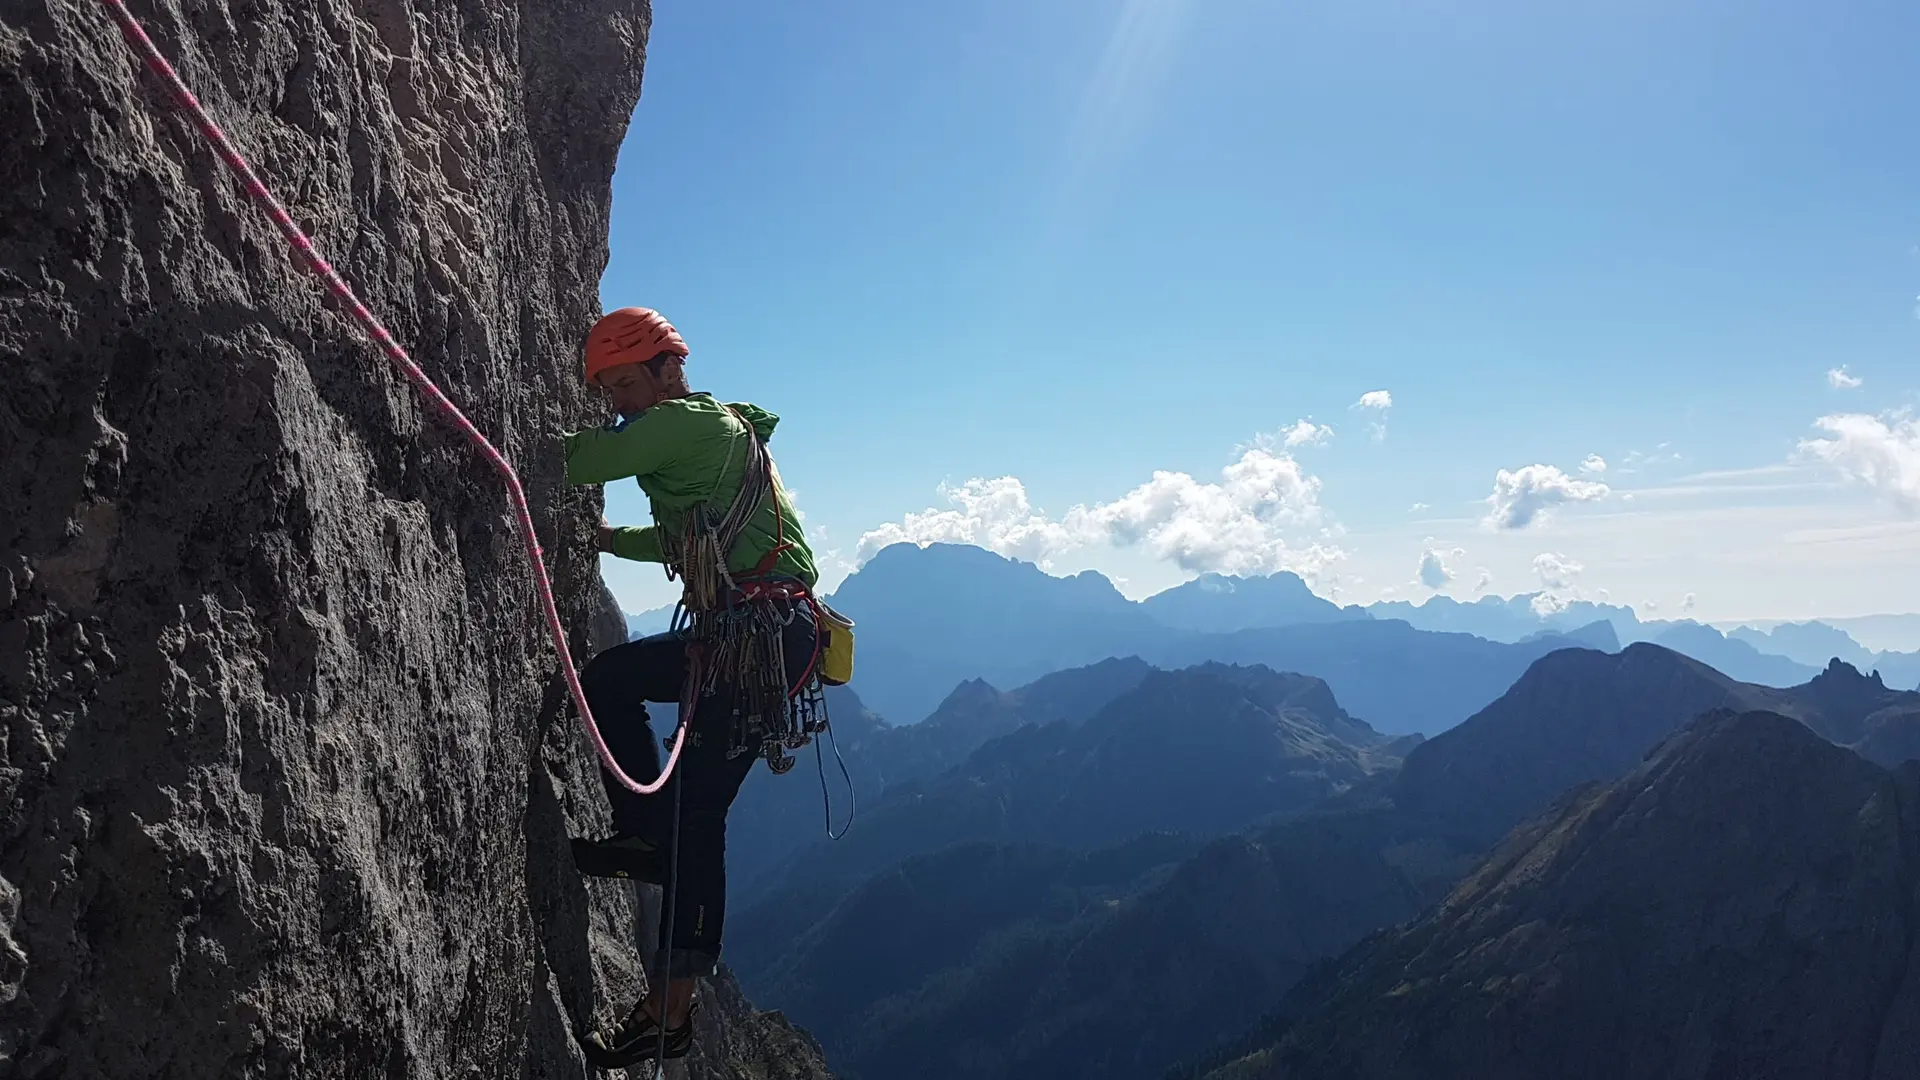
(630, 335)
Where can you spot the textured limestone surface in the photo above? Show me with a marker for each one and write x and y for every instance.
(286, 763)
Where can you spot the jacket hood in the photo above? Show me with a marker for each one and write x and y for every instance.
(763, 421)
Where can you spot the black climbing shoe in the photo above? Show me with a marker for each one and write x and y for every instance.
(622, 855)
(638, 1040)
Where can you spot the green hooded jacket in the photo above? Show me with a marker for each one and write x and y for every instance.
(682, 452)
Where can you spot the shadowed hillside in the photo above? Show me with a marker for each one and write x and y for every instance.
(1742, 904)
(1197, 953)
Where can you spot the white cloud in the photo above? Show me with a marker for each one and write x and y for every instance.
(1651, 605)
(1237, 526)
(1524, 495)
(1306, 432)
(1686, 603)
(1417, 507)
(1434, 572)
(1660, 455)
(1379, 401)
(1840, 380)
(1594, 465)
(1485, 582)
(1263, 515)
(1556, 571)
(1545, 604)
(1883, 453)
(1557, 575)
(993, 514)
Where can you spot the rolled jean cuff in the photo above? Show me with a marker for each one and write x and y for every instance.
(685, 963)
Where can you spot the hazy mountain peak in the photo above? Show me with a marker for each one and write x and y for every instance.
(1218, 603)
(937, 566)
(1812, 643)
(969, 694)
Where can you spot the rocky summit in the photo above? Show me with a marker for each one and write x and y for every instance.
(288, 766)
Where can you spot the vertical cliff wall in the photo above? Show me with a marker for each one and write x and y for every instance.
(287, 768)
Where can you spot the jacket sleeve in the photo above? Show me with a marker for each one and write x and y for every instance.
(638, 544)
(605, 454)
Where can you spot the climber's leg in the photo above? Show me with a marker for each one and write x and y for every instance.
(712, 780)
(619, 683)
(705, 781)
(708, 783)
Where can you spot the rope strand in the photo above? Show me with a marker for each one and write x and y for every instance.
(304, 247)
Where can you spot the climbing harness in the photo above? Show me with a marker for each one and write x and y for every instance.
(304, 247)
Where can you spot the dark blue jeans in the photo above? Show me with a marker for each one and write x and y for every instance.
(619, 683)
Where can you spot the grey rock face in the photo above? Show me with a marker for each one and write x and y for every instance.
(287, 765)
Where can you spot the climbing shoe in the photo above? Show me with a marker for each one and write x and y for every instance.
(638, 1040)
(622, 855)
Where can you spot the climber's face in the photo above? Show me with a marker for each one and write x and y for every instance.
(635, 388)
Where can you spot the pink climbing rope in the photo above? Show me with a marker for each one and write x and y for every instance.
(144, 45)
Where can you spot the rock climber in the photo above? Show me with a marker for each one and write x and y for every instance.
(742, 658)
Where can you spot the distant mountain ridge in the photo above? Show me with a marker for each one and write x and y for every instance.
(1206, 947)
(776, 816)
(1398, 678)
(652, 621)
(1205, 749)
(1742, 903)
(1200, 751)
(1893, 633)
(1609, 710)
(1514, 618)
(1785, 655)
(928, 619)
(1218, 604)
(1816, 643)
(1811, 643)
(932, 618)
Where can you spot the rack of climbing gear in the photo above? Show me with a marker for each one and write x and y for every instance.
(303, 247)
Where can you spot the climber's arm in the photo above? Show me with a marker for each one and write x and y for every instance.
(641, 544)
(619, 450)
(631, 448)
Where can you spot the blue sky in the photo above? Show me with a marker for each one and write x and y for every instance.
(1088, 254)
